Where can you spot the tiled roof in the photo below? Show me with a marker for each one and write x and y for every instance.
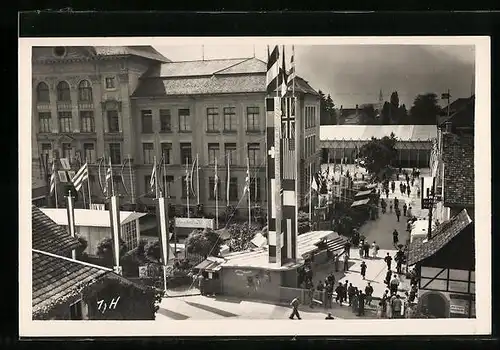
(458, 158)
(456, 105)
(215, 84)
(421, 249)
(463, 117)
(141, 51)
(56, 279)
(48, 236)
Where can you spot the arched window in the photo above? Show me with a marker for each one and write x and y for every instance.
(42, 93)
(85, 91)
(63, 93)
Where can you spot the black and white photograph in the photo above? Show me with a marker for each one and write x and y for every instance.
(214, 182)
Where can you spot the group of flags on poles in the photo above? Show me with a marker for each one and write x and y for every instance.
(281, 158)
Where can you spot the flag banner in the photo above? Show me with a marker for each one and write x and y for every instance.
(114, 216)
(62, 176)
(65, 163)
(70, 210)
(162, 217)
(216, 181)
(270, 171)
(273, 70)
(314, 184)
(228, 178)
(289, 158)
(122, 176)
(284, 78)
(291, 73)
(53, 178)
(247, 182)
(152, 180)
(81, 176)
(108, 177)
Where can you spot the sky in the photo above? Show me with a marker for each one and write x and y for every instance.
(355, 74)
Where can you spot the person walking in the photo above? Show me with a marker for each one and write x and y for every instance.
(366, 249)
(347, 248)
(344, 291)
(363, 269)
(350, 293)
(403, 192)
(410, 212)
(336, 262)
(361, 304)
(390, 207)
(394, 285)
(360, 249)
(396, 203)
(384, 301)
(405, 207)
(339, 292)
(395, 238)
(369, 293)
(393, 186)
(388, 261)
(346, 262)
(374, 250)
(355, 301)
(295, 305)
(399, 260)
(387, 279)
(398, 213)
(397, 307)
(408, 190)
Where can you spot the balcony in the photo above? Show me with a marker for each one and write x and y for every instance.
(64, 106)
(85, 105)
(43, 106)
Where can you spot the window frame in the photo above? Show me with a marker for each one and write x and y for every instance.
(213, 147)
(85, 92)
(147, 118)
(228, 116)
(233, 188)
(255, 148)
(89, 157)
(167, 146)
(61, 91)
(148, 152)
(163, 114)
(182, 147)
(90, 115)
(46, 90)
(255, 125)
(112, 150)
(211, 183)
(111, 79)
(213, 112)
(111, 114)
(66, 151)
(44, 119)
(68, 117)
(184, 120)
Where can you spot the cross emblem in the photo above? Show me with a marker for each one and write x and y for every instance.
(272, 152)
(288, 119)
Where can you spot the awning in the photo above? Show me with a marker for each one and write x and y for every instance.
(360, 202)
(363, 193)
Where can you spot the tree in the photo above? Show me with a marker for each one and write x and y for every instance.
(152, 251)
(385, 115)
(403, 115)
(203, 242)
(378, 154)
(327, 116)
(395, 99)
(330, 108)
(425, 109)
(304, 224)
(80, 251)
(105, 250)
(241, 236)
(368, 115)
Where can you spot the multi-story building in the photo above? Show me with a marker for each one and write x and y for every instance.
(132, 104)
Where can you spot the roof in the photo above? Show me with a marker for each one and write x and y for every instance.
(360, 202)
(259, 257)
(441, 236)
(207, 68)
(458, 159)
(144, 51)
(49, 236)
(87, 217)
(56, 279)
(220, 76)
(366, 132)
(463, 117)
(457, 105)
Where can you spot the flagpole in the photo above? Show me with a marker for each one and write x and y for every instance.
(88, 184)
(56, 176)
(164, 178)
(228, 180)
(131, 179)
(277, 78)
(310, 192)
(249, 197)
(216, 196)
(197, 179)
(187, 186)
(294, 71)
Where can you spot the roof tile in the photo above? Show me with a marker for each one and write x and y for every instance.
(441, 236)
(48, 236)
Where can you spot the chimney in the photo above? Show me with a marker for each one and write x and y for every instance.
(447, 126)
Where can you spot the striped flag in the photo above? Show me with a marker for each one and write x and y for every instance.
(108, 177)
(191, 176)
(81, 176)
(247, 182)
(114, 216)
(152, 180)
(216, 180)
(53, 178)
(291, 73)
(284, 78)
(273, 70)
(288, 138)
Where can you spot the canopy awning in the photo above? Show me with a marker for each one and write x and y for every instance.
(360, 202)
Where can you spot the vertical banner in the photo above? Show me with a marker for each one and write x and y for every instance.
(270, 173)
(114, 216)
(162, 217)
(288, 161)
(70, 210)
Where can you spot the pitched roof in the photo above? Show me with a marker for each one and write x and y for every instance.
(457, 105)
(88, 217)
(49, 236)
(213, 84)
(56, 279)
(421, 249)
(464, 117)
(458, 159)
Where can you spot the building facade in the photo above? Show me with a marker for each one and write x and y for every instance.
(132, 105)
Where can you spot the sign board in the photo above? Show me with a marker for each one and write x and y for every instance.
(62, 176)
(426, 203)
(194, 223)
(458, 309)
(65, 164)
(457, 286)
(95, 206)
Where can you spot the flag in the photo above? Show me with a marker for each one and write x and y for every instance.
(191, 176)
(284, 79)
(273, 70)
(81, 176)
(162, 217)
(288, 138)
(108, 177)
(152, 180)
(228, 180)
(216, 180)
(445, 96)
(314, 184)
(291, 73)
(114, 216)
(70, 210)
(53, 178)
(247, 182)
